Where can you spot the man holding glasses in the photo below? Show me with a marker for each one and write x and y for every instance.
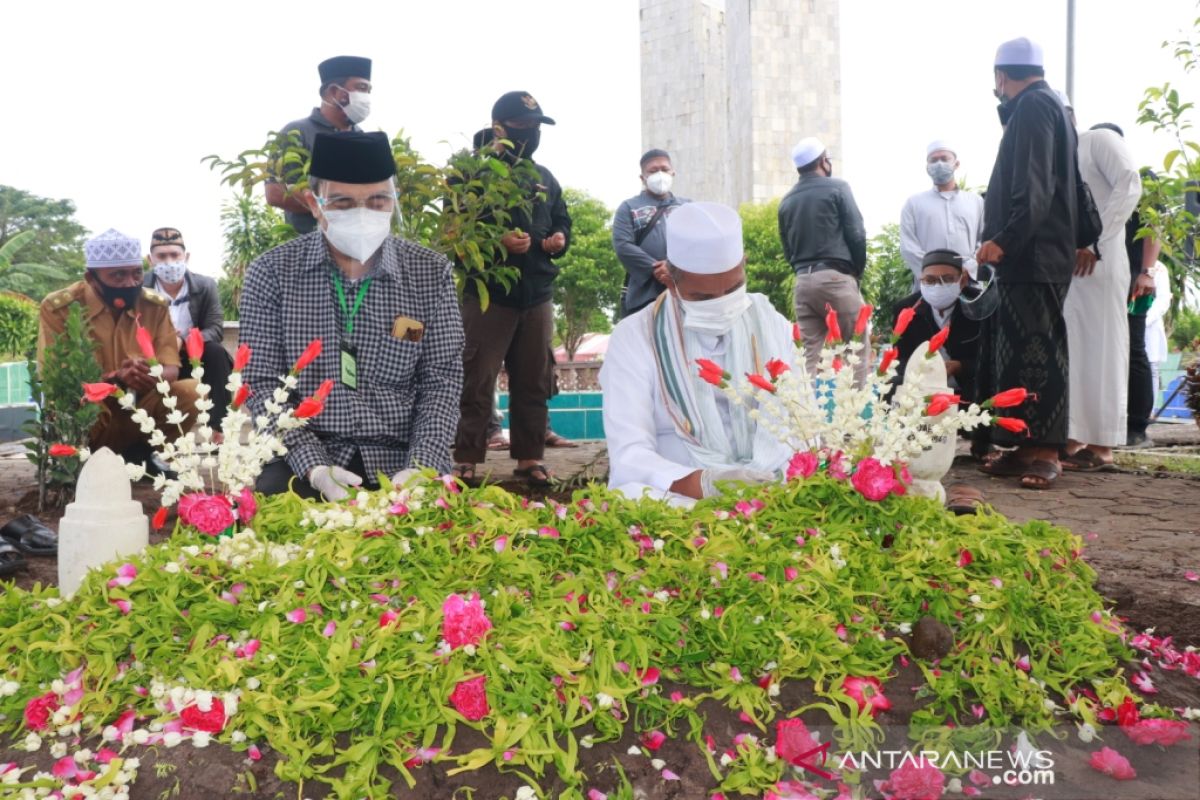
(386, 312)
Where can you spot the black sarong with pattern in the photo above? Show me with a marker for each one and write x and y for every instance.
(1024, 343)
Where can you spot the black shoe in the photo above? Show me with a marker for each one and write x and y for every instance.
(27, 534)
(1137, 441)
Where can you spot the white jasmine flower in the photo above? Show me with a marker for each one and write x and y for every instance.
(58, 749)
(172, 739)
(253, 683)
(525, 793)
(604, 700)
(1087, 732)
(658, 764)
(140, 735)
(171, 567)
(200, 739)
(32, 743)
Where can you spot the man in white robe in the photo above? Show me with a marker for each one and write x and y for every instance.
(669, 433)
(1097, 306)
(944, 217)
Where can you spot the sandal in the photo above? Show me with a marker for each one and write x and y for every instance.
(30, 536)
(11, 560)
(1040, 475)
(498, 442)
(466, 474)
(1085, 460)
(554, 440)
(1006, 465)
(963, 499)
(531, 476)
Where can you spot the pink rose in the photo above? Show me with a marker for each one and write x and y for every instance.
(211, 721)
(1112, 764)
(207, 513)
(1165, 732)
(802, 465)
(873, 480)
(247, 506)
(39, 709)
(837, 466)
(916, 779)
(795, 744)
(464, 621)
(469, 698)
(903, 478)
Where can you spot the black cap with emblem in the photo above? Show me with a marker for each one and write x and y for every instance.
(352, 157)
(513, 106)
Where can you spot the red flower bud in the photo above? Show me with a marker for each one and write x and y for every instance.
(1009, 398)
(99, 392)
(775, 368)
(715, 378)
(937, 340)
(940, 402)
(323, 390)
(711, 366)
(160, 519)
(796, 333)
(239, 399)
(864, 318)
(144, 340)
(761, 382)
(888, 357)
(1012, 424)
(309, 407)
(311, 352)
(903, 319)
(242, 358)
(837, 364)
(195, 345)
(62, 451)
(831, 324)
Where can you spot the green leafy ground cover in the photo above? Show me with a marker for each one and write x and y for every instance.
(325, 634)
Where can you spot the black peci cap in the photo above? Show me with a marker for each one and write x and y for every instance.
(947, 257)
(352, 157)
(339, 67)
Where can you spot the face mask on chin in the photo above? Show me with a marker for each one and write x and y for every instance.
(717, 315)
(118, 297)
(357, 232)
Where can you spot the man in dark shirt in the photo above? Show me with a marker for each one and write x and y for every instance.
(1029, 233)
(825, 242)
(639, 233)
(345, 102)
(942, 278)
(518, 325)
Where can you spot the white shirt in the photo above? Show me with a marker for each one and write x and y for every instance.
(644, 448)
(933, 220)
(1156, 334)
(181, 313)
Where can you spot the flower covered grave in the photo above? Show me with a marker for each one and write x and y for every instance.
(362, 643)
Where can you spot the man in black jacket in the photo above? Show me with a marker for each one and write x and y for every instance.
(936, 304)
(826, 244)
(1029, 229)
(518, 325)
(194, 303)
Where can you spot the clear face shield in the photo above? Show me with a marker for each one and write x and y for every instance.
(357, 218)
(979, 298)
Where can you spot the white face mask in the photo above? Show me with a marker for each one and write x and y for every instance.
(170, 271)
(942, 172)
(660, 182)
(357, 232)
(715, 316)
(941, 296)
(358, 107)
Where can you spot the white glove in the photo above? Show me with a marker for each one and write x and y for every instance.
(333, 482)
(709, 478)
(406, 476)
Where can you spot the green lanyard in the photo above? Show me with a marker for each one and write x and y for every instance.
(341, 296)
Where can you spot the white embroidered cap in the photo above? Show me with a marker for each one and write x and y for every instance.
(1022, 52)
(112, 249)
(807, 150)
(704, 238)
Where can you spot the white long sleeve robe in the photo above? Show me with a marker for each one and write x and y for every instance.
(1097, 304)
(933, 220)
(645, 451)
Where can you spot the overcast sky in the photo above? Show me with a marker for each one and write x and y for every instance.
(114, 104)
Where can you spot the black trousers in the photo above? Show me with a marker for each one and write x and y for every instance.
(1141, 382)
(217, 365)
(277, 476)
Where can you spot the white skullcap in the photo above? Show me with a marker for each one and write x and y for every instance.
(1021, 52)
(1066, 101)
(807, 151)
(704, 238)
(939, 144)
(112, 249)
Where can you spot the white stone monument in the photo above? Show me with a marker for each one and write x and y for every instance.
(931, 466)
(104, 523)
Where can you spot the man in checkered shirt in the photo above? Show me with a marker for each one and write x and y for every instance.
(387, 314)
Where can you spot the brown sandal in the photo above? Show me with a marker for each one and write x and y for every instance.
(1085, 460)
(466, 474)
(1040, 475)
(1005, 465)
(554, 440)
(531, 476)
(963, 499)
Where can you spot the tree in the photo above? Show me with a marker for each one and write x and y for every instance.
(887, 279)
(767, 271)
(588, 287)
(55, 239)
(25, 276)
(250, 228)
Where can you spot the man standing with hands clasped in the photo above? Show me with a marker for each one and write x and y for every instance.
(639, 233)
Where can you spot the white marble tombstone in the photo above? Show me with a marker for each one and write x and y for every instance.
(931, 466)
(103, 524)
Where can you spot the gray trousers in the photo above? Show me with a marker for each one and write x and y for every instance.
(841, 292)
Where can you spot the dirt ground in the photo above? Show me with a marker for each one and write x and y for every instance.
(1141, 530)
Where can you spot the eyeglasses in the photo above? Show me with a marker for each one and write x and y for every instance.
(380, 201)
(945, 280)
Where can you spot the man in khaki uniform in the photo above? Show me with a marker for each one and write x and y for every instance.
(114, 303)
